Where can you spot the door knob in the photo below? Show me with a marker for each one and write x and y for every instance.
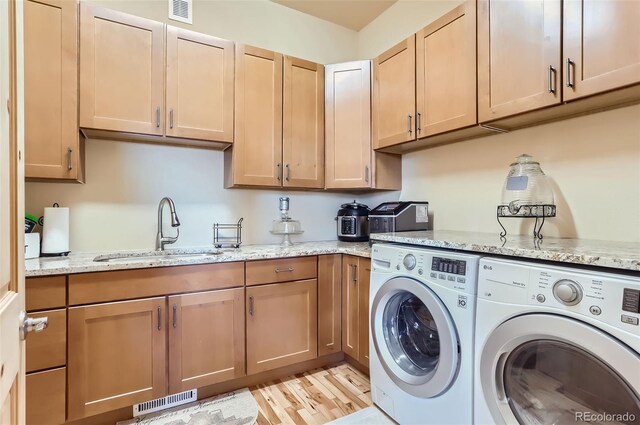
(31, 324)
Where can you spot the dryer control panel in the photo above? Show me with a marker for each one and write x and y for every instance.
(602, 296)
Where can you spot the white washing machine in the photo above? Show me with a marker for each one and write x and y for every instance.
(422, 306)
(556, 345)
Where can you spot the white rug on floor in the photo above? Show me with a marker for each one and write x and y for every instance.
(367, 416)
(234, 408)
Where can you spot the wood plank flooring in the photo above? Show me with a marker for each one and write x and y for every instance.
(315, 397)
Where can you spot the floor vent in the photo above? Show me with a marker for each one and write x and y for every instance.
(165, 402)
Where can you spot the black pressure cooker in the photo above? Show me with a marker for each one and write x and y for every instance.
(353, 222)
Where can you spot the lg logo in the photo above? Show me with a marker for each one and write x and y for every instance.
(486, 267)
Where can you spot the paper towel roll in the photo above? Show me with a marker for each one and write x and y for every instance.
(55, 233)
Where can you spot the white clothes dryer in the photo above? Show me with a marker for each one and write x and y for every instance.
(556, 345)
(422, 305)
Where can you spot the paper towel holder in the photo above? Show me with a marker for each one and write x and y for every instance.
(55, 242)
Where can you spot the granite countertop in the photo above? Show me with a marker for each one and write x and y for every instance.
(83, 262)
(618, 255)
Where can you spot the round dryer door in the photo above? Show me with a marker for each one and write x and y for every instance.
(545, 369)
(414, 337)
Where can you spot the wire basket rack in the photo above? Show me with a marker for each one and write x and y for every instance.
(537, 212)
(227, 235)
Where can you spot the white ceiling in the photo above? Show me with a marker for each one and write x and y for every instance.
(352, 14)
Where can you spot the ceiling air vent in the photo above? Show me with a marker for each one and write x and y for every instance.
(181, 10)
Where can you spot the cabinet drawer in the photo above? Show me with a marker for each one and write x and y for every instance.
(45, 292)
(48, 348)
(281, 270)
(90, 288)
(46, 397)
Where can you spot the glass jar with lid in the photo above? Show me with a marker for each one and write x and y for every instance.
(526, 184)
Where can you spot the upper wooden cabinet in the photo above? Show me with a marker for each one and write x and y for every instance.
(199, 86)
(303, 124)
(446, 72)
(601, 46)
(52, 146)
(279, 122)
(206, 338)
(518, 56)
(121, 72)
(394, 94)
(255, 159)
(116, 355)
(350, 161)
(282, 324)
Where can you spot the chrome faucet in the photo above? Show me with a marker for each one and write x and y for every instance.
(162, 240)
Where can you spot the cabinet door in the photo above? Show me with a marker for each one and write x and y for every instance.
(282, 324)
(303, 124)
(601, 46)
(51, 89)
(446, 72)
(256, 156)
(117, 355)
(364, 275)
(394, 94)
(206, 338)
(329, 304)
(121, 71)
(518, 56)
(199, 86)
(350, 306)
(348, 125)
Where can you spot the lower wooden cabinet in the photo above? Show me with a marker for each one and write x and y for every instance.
(329, 304)
(117, 355)
(206, 338)
(282, 324)
(45, 393)
(355, 307)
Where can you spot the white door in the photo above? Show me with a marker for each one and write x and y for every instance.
(11, 237)
(549, 369)
(414, 337)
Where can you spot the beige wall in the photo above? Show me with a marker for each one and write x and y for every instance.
(402, 19)
(593, 163)
(260, 23)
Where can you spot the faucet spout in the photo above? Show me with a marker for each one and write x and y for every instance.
(162, 240)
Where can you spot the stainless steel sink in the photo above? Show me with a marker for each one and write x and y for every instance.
(157, 255)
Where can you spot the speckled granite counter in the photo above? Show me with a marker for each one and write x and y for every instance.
(83, 262)
(618, 255)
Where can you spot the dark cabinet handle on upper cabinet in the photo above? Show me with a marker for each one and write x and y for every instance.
(418, 127)
(570, 64)
(279, 172)
(69, 162)
(158, 117)
(288, 172)
(171, 118)
(552, 79)
(366, 174)
(409, 128)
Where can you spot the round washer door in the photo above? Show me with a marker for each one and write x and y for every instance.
(414, 337)
(543, 368)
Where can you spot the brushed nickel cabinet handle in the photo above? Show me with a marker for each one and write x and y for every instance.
(552, 79)
(251, 306)
(175, 312)
(409, 128)
(159, 319)
(287, 270)
(570, 63)
(279, 172)
(171, 118)
(418, 128)
(288, 172)
(366, 174)
(158, 117)
(69, 163)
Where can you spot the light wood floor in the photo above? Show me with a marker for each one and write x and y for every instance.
(314, 397)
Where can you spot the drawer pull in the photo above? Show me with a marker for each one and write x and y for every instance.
(175, 312)
(159, 319)
(251, 306)
(354, 273)
(290, 269)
